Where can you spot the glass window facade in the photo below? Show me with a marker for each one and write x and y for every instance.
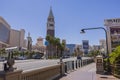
(4, 33)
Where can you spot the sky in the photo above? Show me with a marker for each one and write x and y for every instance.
(70, 17)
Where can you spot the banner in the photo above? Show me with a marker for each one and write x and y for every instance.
(85, 44)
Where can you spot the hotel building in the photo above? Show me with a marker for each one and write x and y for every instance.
(113, 32)
(10, 37)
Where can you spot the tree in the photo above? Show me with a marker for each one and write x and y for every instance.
(2, 52)
(93, 53)
(62, 47)
(51, 42)
(78, 51)
(75, 52)
(56, 44)
(16, 53)
(115, 56)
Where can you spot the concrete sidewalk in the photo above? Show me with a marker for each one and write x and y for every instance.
(87, 73)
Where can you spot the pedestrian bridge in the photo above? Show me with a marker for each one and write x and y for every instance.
(51, 72)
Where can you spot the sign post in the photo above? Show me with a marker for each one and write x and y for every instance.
(99, 64)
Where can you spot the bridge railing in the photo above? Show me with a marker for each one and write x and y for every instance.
(75, 64)
(46, 73)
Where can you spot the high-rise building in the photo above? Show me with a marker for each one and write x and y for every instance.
(4, 33)
(17, 38)
(96, 47)
(10, 37)
(51, 24)
(113, 33)
(103, 45)
(29, 42)
(71, 48)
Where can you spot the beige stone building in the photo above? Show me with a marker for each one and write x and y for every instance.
(10, 37)
(113, 32)
(102, 43)
(39, 47)
(39, 41)
(17, 38)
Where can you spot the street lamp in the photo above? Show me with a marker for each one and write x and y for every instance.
(83, 31)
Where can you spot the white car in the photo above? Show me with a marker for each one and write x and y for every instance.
(22, 58)
(2, 59)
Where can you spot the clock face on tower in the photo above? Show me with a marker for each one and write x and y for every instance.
(51, 19)
(51, 24)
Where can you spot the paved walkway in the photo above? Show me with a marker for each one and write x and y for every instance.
(87, 73)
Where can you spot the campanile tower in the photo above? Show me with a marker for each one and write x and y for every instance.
(51, 24)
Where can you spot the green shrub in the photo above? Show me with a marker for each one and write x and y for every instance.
(115, 56)
(115, 60)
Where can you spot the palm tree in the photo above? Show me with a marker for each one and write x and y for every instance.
(16, 53)
(2, 52)
(61, 47)
(75, 53)
(79, 52)
(50, 47)
(56, 43)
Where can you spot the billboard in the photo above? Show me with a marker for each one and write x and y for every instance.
(85, 44)
(115, 37)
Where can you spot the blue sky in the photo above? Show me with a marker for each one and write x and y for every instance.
(70, 17)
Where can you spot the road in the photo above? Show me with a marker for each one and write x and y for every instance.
(32, 64)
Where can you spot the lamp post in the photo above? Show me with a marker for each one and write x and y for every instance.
(108, 62)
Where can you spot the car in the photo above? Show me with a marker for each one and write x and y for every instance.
(65, 57)
(22, 58)
(79, 57)
(37, 56)
(2, 59)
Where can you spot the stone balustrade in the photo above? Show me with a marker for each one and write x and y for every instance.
(46, 73)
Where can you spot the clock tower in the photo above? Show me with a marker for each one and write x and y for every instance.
(51, 24)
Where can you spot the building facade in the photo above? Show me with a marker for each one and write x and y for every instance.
(39, 41)
(102, 43)
(39, 47)
(4, 33)
(10, 37)
(113, 32)
(71, 48)
(96, 47)
(17, 38)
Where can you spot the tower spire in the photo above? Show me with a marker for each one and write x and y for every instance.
(51, 13)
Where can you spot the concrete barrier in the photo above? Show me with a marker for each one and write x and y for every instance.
(14, 75)
(46, 73)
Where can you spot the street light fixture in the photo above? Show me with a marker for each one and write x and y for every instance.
(82, 31)
(108, 62)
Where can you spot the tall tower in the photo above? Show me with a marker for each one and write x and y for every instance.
(51, 24)
(29, 42)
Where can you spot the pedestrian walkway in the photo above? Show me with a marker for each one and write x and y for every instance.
(87, 73)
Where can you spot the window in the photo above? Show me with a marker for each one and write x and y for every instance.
(51, 24)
